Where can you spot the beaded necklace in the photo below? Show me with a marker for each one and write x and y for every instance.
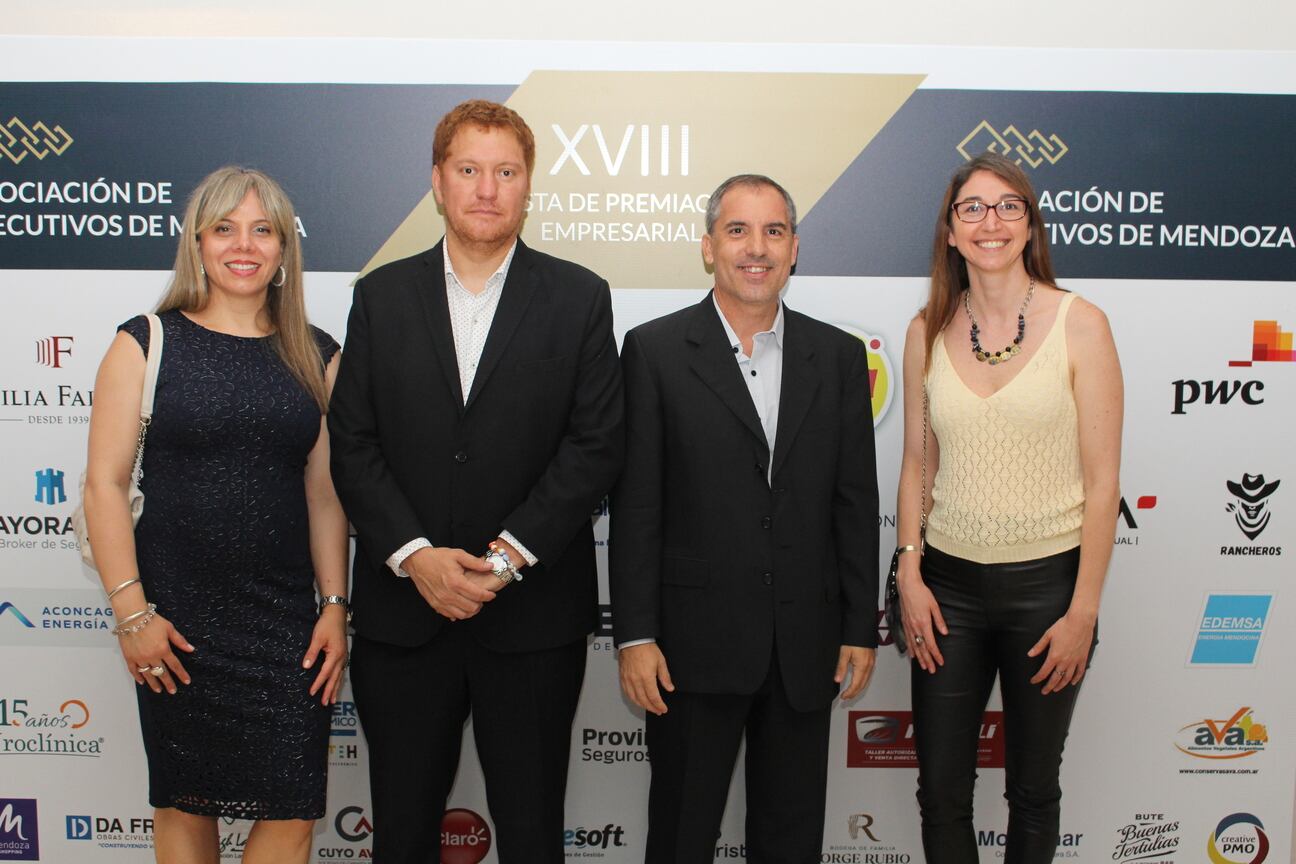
(1011, 351)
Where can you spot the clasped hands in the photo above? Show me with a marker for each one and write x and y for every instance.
(453, 582)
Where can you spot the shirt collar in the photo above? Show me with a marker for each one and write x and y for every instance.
(776, 329)
(496, 278)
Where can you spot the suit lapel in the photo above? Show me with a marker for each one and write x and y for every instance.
(798, 389)
(519, 288)
(432, 297)
(713, 362)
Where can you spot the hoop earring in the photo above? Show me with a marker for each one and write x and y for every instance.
(283, 277)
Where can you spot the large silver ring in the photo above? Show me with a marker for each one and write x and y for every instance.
(918, 640)
(157, 671)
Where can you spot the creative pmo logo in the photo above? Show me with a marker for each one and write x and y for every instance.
(1229, 629)
(1033, 147)
(19, 140)
(1238, 839)
(1250, 505)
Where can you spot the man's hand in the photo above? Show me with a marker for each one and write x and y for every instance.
(860, 662)
(449, 580)
(642, 667)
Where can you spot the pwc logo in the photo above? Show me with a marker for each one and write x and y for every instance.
(1269, 344)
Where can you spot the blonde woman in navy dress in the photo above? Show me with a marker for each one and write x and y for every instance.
(215, 589)
(1022, 459)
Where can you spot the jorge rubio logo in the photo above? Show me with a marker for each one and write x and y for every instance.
(884, 739)
(1250, 509)
(1230, 629)
(609, 835)
(1238, 839)
(51, 350)
(1233, 737)
(465, 837)
(881, 373)
(49, 487)
(19, 830)
(1148, 838)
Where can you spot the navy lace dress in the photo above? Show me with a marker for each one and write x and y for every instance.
(224, 552)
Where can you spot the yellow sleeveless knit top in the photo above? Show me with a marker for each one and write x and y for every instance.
(1009, 485)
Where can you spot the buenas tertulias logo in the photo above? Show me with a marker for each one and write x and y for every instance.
(1249, 506)
(1230, 629)
(1238, 839)
(1227, 738)
(19, 830)
(1148, 838)
(465, 837)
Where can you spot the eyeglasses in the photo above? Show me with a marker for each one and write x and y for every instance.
(1009, 210)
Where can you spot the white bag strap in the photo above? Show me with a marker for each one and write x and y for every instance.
(151, 367)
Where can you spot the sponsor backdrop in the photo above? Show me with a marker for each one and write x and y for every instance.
(1171, 210)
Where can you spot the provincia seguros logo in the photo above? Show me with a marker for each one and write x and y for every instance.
(1230, 629)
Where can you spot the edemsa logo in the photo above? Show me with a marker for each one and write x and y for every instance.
(1238, 839)
(882, 377)
(465, 837)
(1230, 629)
(1233, 737)
(885, 739)
(19, 830)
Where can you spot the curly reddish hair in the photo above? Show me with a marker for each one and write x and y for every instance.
(484, 115)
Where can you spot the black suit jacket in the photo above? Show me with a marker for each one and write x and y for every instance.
(537, 445)
(708, 557)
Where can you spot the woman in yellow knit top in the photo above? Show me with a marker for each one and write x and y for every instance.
(1014, 463)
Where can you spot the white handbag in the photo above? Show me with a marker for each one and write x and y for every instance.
(135, 497)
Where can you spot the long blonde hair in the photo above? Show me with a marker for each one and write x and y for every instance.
(949, 276)
(219, 193)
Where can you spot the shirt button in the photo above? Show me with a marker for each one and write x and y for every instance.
(767, 577)
(753, 373)
(766, 522)
(461, 457)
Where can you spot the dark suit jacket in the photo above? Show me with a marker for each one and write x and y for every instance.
(710, 559)
(537, 445)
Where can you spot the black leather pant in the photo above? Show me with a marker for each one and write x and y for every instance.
(995, 613)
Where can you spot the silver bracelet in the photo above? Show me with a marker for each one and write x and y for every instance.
(129, 582)
(900, 550)
(125, 627)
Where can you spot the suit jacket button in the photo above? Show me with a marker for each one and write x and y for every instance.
(766, 522)
(461, 457)
(767, 577)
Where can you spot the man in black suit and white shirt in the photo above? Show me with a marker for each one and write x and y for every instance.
(744, 541)
(475, 424)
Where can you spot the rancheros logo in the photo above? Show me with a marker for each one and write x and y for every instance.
(1233, 738)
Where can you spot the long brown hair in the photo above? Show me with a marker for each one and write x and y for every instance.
(949, 276)
(219, 193)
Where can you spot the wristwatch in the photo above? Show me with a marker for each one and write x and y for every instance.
(501, 567)
(336, 600)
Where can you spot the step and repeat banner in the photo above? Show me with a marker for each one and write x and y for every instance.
(1170, 201)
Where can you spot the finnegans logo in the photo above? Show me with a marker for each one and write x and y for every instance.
(1250, 505)
(1233, 737)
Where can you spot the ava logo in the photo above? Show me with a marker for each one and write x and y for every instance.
(882, 379)
(465, 837)
(1251, 508)
(1269, 344)
(1032, 147)
(18, 140)
(638, 138)
(49, 487)
(51, 350)
(885, 739)
(1233, 738)
(16, 613)
(352, 824)
(19, 830)
(1230, 629)
(1238, 839)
